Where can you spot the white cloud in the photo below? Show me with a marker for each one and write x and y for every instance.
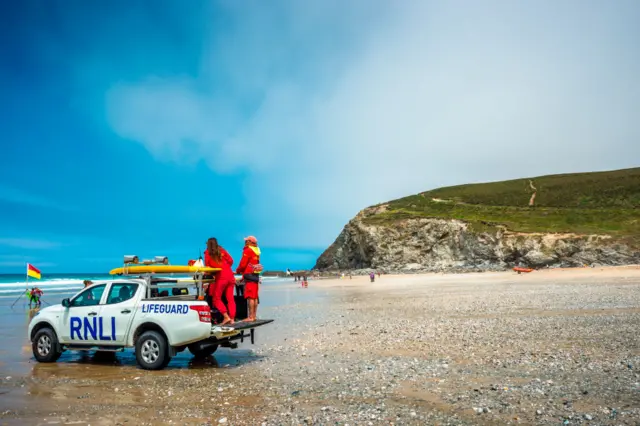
(416, 96)
(28, 243)
(13, 263)
(19, 196)
(17, 260)
(290, 259)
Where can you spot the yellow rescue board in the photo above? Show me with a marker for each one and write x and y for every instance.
(161, 269)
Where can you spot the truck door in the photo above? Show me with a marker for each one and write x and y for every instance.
(118, 311)
(79, 321)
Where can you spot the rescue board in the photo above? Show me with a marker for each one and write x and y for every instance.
(161, 269)
(518, 270)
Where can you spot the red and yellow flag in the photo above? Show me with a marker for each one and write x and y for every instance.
(32, 271)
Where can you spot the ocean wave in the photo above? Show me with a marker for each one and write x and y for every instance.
(48, 289)
(43, 284)
(73, 284)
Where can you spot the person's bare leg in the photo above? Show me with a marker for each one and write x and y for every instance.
(249, 309)
(252, 310)
(248, 318)
(226, 319)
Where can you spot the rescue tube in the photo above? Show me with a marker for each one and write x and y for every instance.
(161, 269)
(519, 270)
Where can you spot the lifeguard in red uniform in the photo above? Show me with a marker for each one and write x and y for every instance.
(217, 257)
(250, 270)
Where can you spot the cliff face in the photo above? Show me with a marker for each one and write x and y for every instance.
(424, 244)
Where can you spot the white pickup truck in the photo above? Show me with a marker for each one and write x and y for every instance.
(119, 314)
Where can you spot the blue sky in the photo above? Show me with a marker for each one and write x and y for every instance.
(146, 127)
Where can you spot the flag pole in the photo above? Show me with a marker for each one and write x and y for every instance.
(26, 288)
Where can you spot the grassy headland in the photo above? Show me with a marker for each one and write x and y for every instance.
(582, 203)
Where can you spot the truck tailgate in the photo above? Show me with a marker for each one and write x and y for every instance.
(241, 325)
(233, 329)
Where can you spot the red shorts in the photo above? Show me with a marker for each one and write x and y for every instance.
(250, 290)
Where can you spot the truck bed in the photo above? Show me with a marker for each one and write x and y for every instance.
(181, 298)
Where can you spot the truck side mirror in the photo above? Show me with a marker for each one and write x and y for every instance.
(65, 303)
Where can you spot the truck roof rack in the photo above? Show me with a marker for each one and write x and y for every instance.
(153, 282)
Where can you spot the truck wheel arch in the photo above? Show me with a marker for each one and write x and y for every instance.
(40, 326)
(148, 326)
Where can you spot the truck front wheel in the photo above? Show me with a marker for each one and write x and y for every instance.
(45, 346)
(152, 351)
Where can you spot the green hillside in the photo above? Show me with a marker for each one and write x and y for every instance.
(583, 203)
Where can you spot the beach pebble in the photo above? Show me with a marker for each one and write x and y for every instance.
(588, 417)
(480, 333)
(222, 420)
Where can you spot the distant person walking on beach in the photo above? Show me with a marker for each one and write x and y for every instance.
(372, 276)
(250, 269)
(217, 257)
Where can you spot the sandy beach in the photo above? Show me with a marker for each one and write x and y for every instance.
(549, 347)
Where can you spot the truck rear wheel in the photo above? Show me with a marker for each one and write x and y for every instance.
(197, 352)
(45, 346)
(152, 351)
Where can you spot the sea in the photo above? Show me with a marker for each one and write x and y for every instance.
(56, 287)
(53, 285)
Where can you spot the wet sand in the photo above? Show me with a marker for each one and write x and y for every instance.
(550, 347)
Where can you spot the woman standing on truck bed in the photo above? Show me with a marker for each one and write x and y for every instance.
(217, 257)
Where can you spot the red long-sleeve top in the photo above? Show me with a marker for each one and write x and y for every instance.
(225, 264)
(250, 258)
